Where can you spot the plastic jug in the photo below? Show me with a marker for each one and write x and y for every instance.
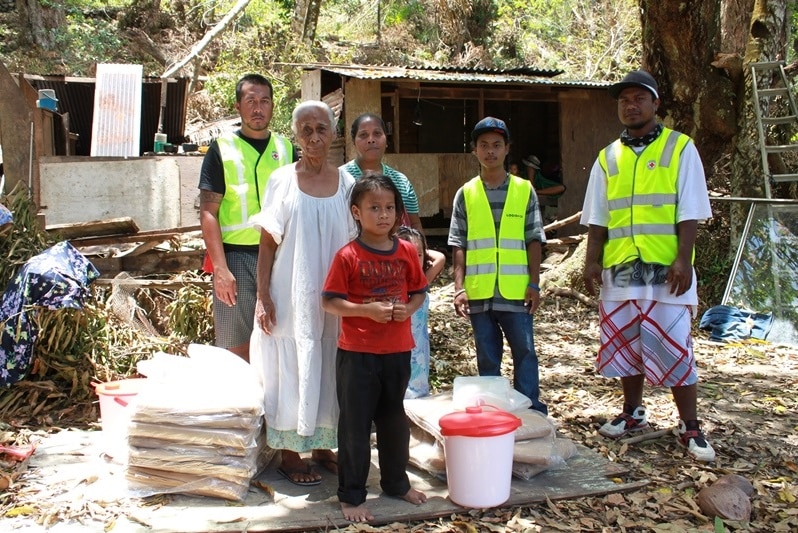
(160, 142)
(478, 447)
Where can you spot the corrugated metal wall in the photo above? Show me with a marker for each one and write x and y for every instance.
(76, 97)
(117, 111)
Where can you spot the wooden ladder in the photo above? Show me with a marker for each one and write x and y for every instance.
(773, 105)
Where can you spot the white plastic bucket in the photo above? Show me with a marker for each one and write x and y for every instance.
(116, 407)
(478, 447)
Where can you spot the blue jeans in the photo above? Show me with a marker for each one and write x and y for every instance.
(517, 328)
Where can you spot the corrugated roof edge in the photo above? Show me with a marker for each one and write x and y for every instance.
(524, 71)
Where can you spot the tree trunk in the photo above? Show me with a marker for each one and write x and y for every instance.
(680, 40)
(306, 17)
(40, 22)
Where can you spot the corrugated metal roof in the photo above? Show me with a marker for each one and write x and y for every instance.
(520, 75)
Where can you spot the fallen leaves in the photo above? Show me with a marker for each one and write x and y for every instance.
(748, 401)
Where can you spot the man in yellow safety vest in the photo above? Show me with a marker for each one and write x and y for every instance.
(496, 235)
(233, 179)
(644, 199)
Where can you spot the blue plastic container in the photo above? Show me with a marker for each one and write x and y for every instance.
(47, 100)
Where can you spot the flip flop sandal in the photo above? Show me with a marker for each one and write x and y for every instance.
(288, 474)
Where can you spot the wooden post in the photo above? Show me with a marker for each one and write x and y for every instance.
(20, 164)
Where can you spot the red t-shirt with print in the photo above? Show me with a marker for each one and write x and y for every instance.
(361, 274)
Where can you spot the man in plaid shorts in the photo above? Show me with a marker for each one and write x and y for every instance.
(645, 196)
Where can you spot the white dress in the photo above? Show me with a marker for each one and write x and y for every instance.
(296, 363)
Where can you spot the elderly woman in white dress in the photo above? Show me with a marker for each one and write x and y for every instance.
(305, 220)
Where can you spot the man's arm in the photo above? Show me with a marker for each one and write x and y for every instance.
(224, 283)
(596, 237)
(458, 272)
(680, 272)
(532, 297)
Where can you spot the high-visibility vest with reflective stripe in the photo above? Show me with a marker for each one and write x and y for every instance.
(243, 165)
(485, 258)
(642, 192)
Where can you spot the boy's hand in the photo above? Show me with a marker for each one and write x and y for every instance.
(381, 312)
(400, 313)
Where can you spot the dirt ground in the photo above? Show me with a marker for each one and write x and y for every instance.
(747, 400)
(748, 393)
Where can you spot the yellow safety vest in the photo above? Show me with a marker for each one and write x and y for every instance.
(485, 258)
(246, 173)
(642, 191)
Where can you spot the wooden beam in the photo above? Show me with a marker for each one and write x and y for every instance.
(141, 236)
(164, 284)
(149, 263)
(16, 120)
(519, 93)
(124, 225)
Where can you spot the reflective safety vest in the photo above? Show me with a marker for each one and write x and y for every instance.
(485, 257)
(246, 173)
(642, 191)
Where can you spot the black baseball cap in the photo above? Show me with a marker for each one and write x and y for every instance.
(637, 78)
(490, 124)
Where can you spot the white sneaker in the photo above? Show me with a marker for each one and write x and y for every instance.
(698, 447)
(625, 423)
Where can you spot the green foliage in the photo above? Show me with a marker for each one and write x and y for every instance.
(83, 44)
(255, 45)
(25, 239)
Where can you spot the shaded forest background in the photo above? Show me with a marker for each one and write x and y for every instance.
(586, 40)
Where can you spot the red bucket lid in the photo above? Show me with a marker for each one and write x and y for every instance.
(475, 422)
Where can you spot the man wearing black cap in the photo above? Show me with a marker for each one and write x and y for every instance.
(496, 237)
(645, 196)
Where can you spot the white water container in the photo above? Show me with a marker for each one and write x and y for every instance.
(478, 446)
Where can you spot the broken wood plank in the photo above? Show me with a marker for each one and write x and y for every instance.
(123, 225)
(164, 284)
(152, 262)
(564, 222)
(573, 239)
(141, 236)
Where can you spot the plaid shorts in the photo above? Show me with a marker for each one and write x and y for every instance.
(233, 325)
(647, 337)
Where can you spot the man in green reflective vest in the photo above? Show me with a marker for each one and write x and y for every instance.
(644, 199)
(232, 182)
(496, 237)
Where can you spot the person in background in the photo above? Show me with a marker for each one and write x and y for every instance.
(514, 169)
(305, 220)
(496, 237)
(432, 262)
(545, 187)
(370, 140)
(232, 182)
(375, 284)
(645, 196)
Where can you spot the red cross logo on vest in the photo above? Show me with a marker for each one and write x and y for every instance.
(651, 165)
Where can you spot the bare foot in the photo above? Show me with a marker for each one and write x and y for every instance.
(297, 470)
(415, 496)
(326, 459)
(356, 513)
